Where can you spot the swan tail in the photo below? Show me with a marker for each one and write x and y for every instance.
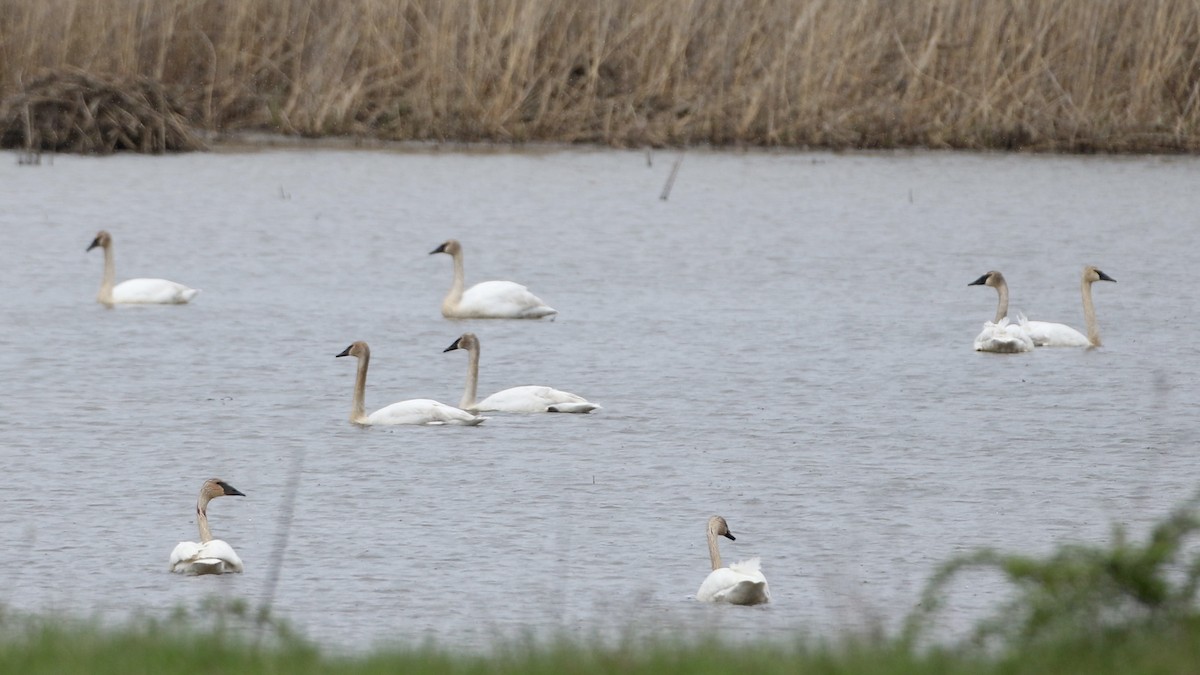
(189, 293)
(580, 408)
(748, 593)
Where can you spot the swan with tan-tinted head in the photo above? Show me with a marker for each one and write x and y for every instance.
(413, 411)
(528, 398)
(488, 299)
(1050, 334)
(1047, 333)
(207, 556)
(1001, 336)
(135, 291)
(742, 583)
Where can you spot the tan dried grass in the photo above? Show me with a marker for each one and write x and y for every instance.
(1075, 75)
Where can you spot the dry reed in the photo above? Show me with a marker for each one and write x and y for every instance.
(1073, 75)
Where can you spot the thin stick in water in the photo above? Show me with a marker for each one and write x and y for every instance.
(666, 192)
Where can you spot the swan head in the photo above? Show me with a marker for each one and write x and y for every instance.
(718, 526)
(465, 341)
(215, 487)
(1091, 274)
(103, 240)
(992, 278)
(357, 349)
(450, 246)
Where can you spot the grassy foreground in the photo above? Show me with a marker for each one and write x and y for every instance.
(1121, 609)
(59, 650)
(1068, 75)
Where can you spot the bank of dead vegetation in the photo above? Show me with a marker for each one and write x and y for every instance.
(1072, 76)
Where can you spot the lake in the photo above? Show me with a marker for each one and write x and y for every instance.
(786, 341)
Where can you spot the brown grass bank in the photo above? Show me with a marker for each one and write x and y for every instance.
(1065, 75)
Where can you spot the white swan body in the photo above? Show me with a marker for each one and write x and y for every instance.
(207, 556)
(524, 399)
(488, 299)
(742, 583)
(412, 411)
(1003, 338)
(1047, 333)
(136, 291)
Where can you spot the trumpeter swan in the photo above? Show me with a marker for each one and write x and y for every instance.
(488, 299)
(528, 398)
(135, 291)
(208, 556)
(1049, 334)
(1001, 336)
(413, 411)
(742, 583)
(1046, 333)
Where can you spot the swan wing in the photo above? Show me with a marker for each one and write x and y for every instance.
(534, 399)
(1050, 334)
(152, 292)
(1004, 338)
(422, 411)
(741, 583)
(211, 557)
(502, 300)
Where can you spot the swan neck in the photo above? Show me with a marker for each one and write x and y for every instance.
(1002, 305)
(456, 289)
(202, 519)
(105, 296)
(468, 397)
(714, 553)
(358, 409)
(1089, 314)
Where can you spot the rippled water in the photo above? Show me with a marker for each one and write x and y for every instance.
(785, 342)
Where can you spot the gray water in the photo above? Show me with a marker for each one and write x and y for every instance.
(786, 342)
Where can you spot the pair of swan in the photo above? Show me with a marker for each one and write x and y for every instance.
(135, 291)
(413, 411)
(528, 398)
(1002, 335)
(742, 583)
(488, 299)
(207, 556)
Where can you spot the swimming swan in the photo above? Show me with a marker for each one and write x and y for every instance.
(413, 411)
(488, 299)
(1001, 336)
(209, 556)
(742, 583)
(529, 398)
(1049, 334)
(136, 291)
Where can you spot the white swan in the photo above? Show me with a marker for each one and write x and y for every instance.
(1001, 336)
(1045, 333)
(208, 556)
(742, 583)
(488, 299)
(136, 291)
(1050, 334)
(413, 411)
(528, 398)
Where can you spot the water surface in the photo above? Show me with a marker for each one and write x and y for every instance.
(786, 342)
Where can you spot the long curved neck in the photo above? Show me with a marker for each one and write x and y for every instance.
(714, 553)
(202, 518)
(468, 398)
(1089, 314)
(1002, 305)
(456, 289)
(105, 296)
(358, 412)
